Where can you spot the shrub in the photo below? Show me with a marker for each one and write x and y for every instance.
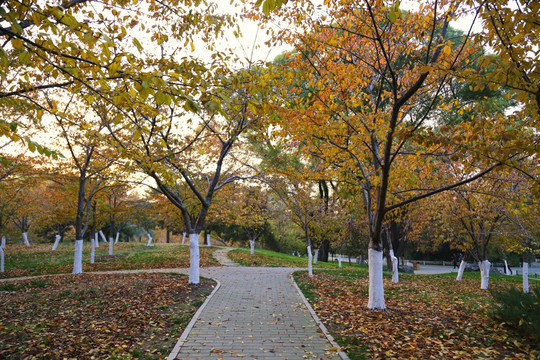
(518, 310)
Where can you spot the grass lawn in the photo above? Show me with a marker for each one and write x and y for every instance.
(91, 316)
(427, 317)
(38, 259)
(275, 259)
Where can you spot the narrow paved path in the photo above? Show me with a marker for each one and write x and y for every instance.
(257, 313)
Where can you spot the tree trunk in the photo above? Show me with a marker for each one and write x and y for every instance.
(93, 249)
(324, 250)
(168, 236)
(395, 272)
(208, 240)
(25, 238)
(102, 236)
(77, 260)
(96, 239)
(252, 247)
(485, 266)
(506, 268)
(183, 238)
(376, 284)
(111, 244)
(3, 245)
(194, 258)
(339, 260)
(117, 236)
(149, 243)
(461, 270)
(525, 276)
(56, 242)
(1, 259)
(310, 257)
(316, 256)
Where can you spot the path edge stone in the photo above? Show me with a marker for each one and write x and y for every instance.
(189, 327)
(323, 328)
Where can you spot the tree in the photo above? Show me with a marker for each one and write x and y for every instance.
(248, 208)
(374, 78)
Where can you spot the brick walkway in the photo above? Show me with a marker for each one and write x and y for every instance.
(257, 313)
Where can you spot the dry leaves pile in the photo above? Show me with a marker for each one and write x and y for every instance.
(92, 316)
(426, 318)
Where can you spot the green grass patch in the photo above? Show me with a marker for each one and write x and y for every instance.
(276, 259)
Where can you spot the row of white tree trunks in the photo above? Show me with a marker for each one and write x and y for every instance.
(485, 267)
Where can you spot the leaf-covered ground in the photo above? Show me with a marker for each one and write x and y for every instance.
(427, 317)
(38, 259)
(88, 316)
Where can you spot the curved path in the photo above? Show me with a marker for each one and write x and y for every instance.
(255, 313)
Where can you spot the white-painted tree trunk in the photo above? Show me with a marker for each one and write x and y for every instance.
(194, 259)
(1, 259)
(77, 260)
(461, 270)
(56, 242)
(96, 240)
(102, 236)
(183, 238)
(525, 277)
(111, 243)
(117, 237)
(92, 250)
(252, 247)
(506, 270)
(376, 284)
(309, 263)
(149, 243)
(339, 260)
(395, 270)
(25, 238)
(316, 256)
(3, 245)
(208, 240)
(484, 274)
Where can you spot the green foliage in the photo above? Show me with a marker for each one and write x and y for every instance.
(518, 310)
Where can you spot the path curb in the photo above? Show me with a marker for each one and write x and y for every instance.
(323, 328)
(187, 330)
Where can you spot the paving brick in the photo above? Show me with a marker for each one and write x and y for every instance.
(257, 313)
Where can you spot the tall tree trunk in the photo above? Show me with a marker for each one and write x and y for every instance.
(395, 270)
(485, 267)
(25, 238)
(93, 249)
(525, 273)
(310, 259)
(149, 243)
(79, 232)
(252, 247)
(183, 238)
(316, 256)
(56, 242)
(376, 284)
(461, 269)
(111, 244)
(1, 259)
(194, 258)
(102, 236)
(324, 250)
(168, 236)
